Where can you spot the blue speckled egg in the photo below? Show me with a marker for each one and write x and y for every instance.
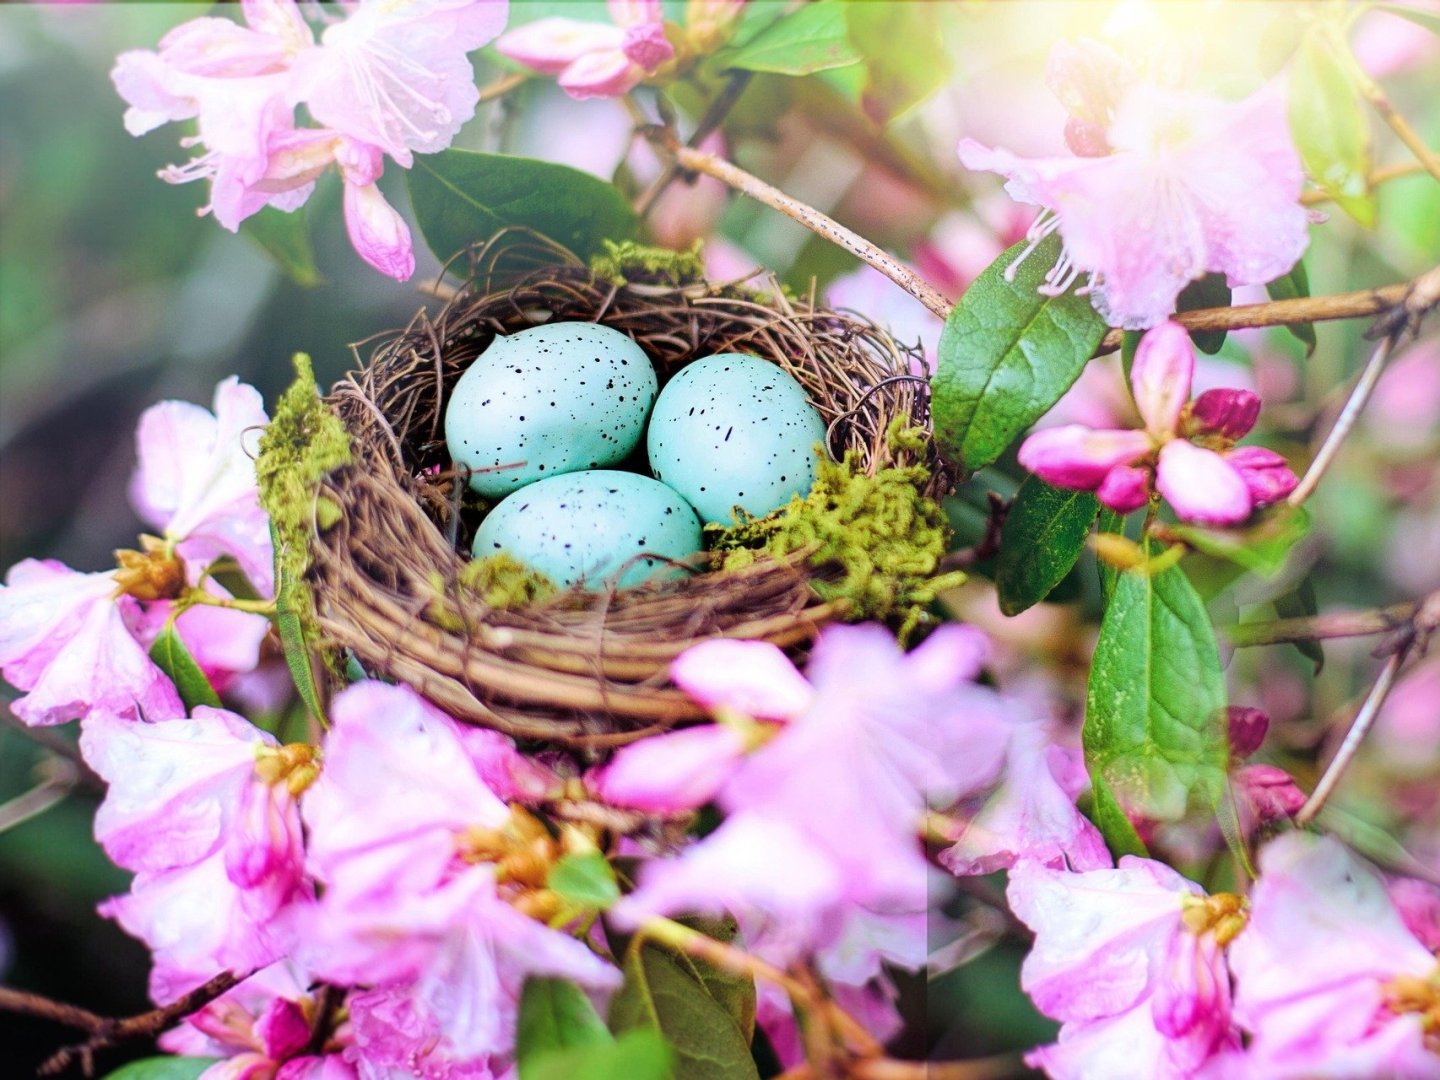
(558, 397)
(733, 430)
(582, 527)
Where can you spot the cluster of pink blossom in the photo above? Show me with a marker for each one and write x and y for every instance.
(1167, 182)
(1186, 452)
(385, 80)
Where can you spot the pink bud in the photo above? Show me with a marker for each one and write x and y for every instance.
(647, 46)
(552, 44)
(1075, 456)
(1247, 728)
(1125, 488)
(1271, 793)
(1161, 377)
(1265, 473)
(1226, 412)
(1201, 485)
(377, 232)
(283, 1029)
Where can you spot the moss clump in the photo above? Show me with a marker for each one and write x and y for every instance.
(501, 581)
(628, 261)
(885, 537)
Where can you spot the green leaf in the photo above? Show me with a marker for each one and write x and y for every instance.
(814, 37)
(1297, 603)
(290, 624)
(1007, 353)
(162, 1068)
(554, 1015)
(1043, 537)
(1210, 291)
(460, 196)
(1264, 547)
(174, 659)
(286, 238)
(1109, 522)
(585, 880)
(1328, 121)
(905, 56)
(1117, 829)
(1129, 342)
(1154, 730)
(1291, 286)
(1430, 20)
(636, 1055)
(706, 1015)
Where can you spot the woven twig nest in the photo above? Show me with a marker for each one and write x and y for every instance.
(582, 669)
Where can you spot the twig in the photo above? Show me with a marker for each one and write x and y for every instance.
(1382, 175)
(991, 1068)
(106, 1031)
(1344, 423)
(58, 779)
(989, 544)
(713, 118)
(1373, 93)
(748, 184)
(1338, 624)
(1353, 738)
(502, 86)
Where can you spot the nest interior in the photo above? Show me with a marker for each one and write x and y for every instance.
(583, 669)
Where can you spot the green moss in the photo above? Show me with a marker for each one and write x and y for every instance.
(500, 581)
(884, 536)
(627, 259)
(303, 443)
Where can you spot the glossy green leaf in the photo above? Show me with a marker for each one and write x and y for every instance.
(585, 880)
(162, 1068)
(1210, 291)
(1154, 730)
(705, 1015)
(1007, 353)
(1429, 18)
(904, 52)
(636, 1055)
(174, 659)
(1291, 286)
(460, 196)
(1263, 547)
(1109, 817)
(1298, 603)
(1043, 537)
(555, 1015)
(1329, 123)
(814, 37)
(286, 239)
(1109, 522)
(293, 638)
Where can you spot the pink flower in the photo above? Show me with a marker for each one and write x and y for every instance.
(195, 480)
(1169, 184)
(203, 809)
(1130, 961)
(1329, 981)
(681, 770)
(594, 59)
(68, 638)
(1186, 452)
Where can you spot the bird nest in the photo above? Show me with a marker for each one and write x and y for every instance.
(389, 573)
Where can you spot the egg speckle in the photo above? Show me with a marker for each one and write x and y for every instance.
(734, 430)
(548, 400)
(583, 527)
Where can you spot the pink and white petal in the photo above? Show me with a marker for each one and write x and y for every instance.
(168, 439)
(278, 19)
(949, 657)
(682, 770)
(1266, 473)
(1225, 411)
(151, 89)
(647, 46)
(1201, 485)
(1161, 377)
(1099, 935)
(42, 606)
(223, 641)
(1079, 457)
(750, 677)
(551, 45)
(378, 232)
(101, 669)
(628, 13)
(511, 775)
(604, 73)
(1125, 489)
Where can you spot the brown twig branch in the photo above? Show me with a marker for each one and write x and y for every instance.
(1382, 175)
(1344, 423)
(1338, 624)
(105, 1031)
(502, 86)
(712, 119)
(1372, 92)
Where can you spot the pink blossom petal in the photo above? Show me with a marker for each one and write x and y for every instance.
(678, 771)
(1269, 794)
(1074, 456)
(607, 73)
(647, 46)
(552, 44)
(1161, 377)
(1201, 485)
(629, 13)
(1246, 727)
(951, 656)
(1229, 413)
(1125, 489)
(378, 232)
(42, 606)
(1266, 474)
(751, 677)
